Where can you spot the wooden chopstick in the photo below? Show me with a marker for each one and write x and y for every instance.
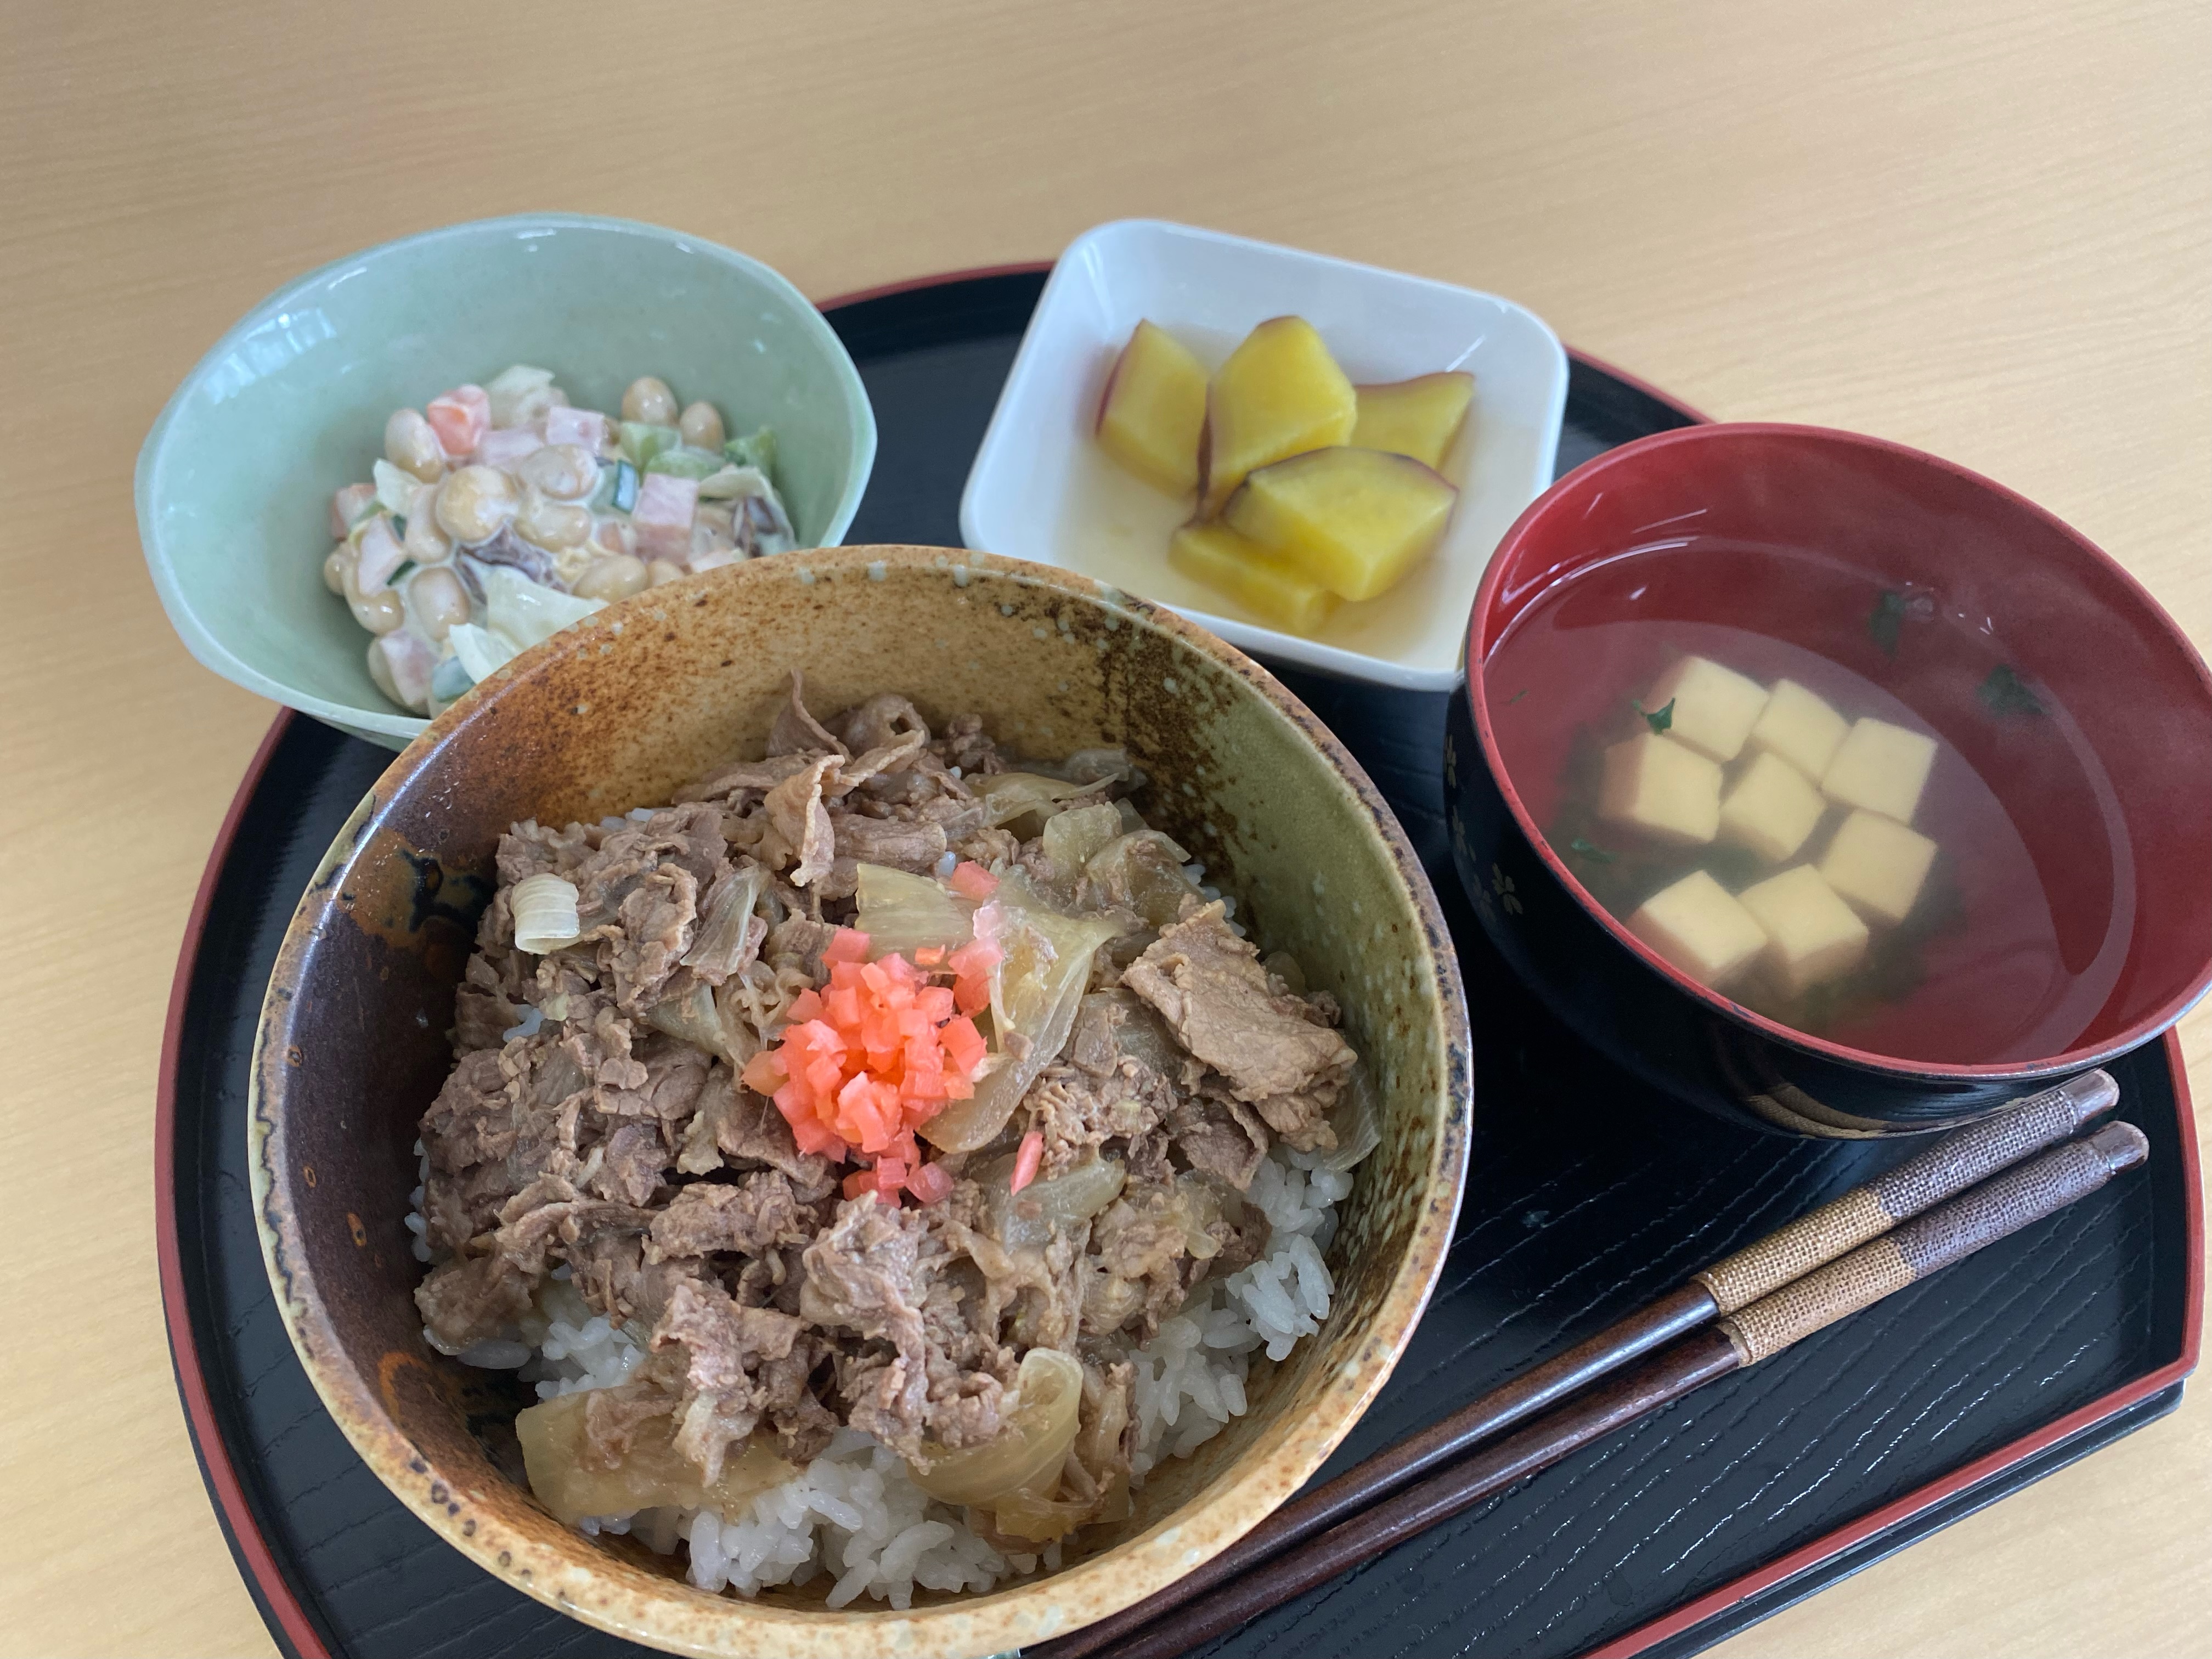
(1757, 1332)
(1952, 1165)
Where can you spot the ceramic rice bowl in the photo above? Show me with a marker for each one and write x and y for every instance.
(649, 695)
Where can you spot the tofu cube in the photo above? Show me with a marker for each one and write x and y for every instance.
(1715, 708)
(1881, 768)
(1772, 808)
(1812, 935)
(1656, 785)
(1701, 927)
(1878, 865)
(1800, 728)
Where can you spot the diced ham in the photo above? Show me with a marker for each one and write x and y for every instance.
(587, 427)
(411, 663)
(460, 418)
(347, 505)
(380, 555)
(662, 517)
(505, 447)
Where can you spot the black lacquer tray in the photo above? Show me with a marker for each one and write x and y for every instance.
(1588, 1193)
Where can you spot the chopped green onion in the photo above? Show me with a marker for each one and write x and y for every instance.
(1658, 719)
(1882, 625)
(625, 495)
(1588, 849)
(1517, 696)
(2005, 693)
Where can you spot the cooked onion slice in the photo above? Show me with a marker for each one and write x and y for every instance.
(568, 1481)
(1027, 1452)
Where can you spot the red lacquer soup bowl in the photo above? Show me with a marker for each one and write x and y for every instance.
(2066, 914)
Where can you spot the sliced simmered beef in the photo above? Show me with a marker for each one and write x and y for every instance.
(728, 1351)
(795, 731)
(656, 920)
(1141, 1246)
(723, 1343)
(1218, 1133)
(963, 745)
(880, 1272)
(1077, 1111)
(1229, 1012)
(797, 943)
(747, 777)
(732, 1122)
(532, 849)
(472, 1299)
(633, 1159)
(486, 1003)
(689, 836)
(759, 1214)
(610, 1272)
(551, 1215)
(472, 1120)
(801, 842)
(882, 721)
(675, 1074)
(915, 844)
(613, 1416)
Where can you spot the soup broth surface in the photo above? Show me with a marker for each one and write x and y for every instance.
(1986, 968)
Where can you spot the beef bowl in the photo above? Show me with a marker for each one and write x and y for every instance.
(1832, 786)
(879, 1101)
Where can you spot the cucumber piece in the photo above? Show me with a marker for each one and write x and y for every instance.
(640, 442)
(686, 463)
(757, 449)
(449, 679)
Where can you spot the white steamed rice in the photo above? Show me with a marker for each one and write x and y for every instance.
(854, 1514)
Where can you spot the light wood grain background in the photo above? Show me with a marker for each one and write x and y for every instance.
(1974, 226)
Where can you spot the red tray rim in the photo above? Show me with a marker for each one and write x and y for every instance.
(284, 1606)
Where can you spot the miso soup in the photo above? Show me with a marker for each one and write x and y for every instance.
(1816, 817)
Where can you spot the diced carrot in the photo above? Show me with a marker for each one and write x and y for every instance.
(928, 956)
(890, 1172)
(806, 1005)
(1027, 1156)
(972, 881)
(460, 418)
(860, 1181)
(846, 944)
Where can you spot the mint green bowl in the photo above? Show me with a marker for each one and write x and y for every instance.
(234, 480)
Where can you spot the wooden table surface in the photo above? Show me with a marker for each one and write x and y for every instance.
(1976, 226)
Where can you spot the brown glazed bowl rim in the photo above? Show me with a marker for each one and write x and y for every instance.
(567, 1570)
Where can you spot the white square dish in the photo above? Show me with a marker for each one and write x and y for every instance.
(1041, 489)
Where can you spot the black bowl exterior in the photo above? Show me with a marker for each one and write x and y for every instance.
(1639, 1020)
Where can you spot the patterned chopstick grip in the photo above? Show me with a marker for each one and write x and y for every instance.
(2002, 1205)
(1951, 1165)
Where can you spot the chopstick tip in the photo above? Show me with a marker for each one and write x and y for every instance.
(2093, 1093)
(2122, 1146)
